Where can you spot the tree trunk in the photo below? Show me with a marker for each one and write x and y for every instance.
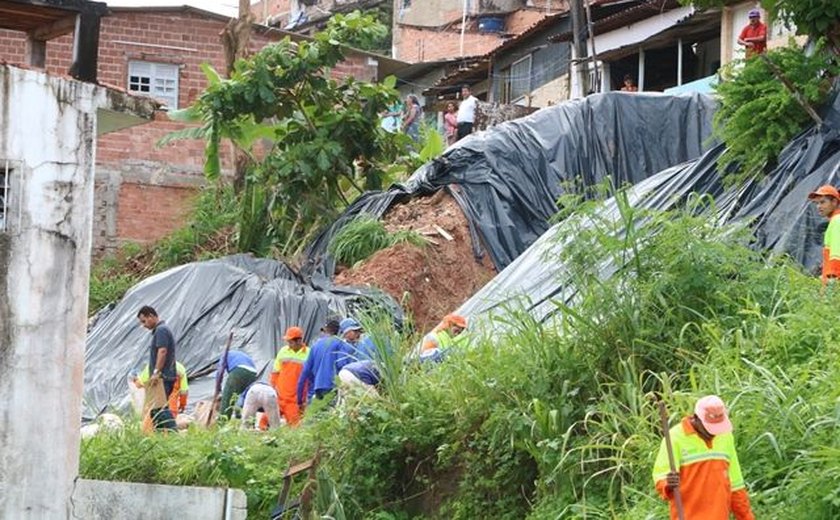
(236, 39)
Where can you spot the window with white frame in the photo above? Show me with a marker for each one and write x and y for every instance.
(518, 80)
(157, 80)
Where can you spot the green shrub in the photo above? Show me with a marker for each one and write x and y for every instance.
(758, 115)
(556, 419)
(365, 235)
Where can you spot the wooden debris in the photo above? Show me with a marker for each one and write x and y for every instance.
(443, 233)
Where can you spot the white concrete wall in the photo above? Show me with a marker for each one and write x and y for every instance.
(94, 499)
(47, 129)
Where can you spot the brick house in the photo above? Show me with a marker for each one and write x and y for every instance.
(143, 192)
(429, 30)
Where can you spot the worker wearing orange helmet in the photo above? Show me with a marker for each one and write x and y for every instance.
(288, 365)
(827, 200)
(708, 474)
(443, 337)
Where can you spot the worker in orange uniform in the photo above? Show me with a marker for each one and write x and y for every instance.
(754, 35)
(709, 474)
(287, 368)
(827, 199)
(443, 337)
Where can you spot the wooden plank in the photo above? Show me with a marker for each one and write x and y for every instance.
(297, 468)
(55, 29)
(443, 233)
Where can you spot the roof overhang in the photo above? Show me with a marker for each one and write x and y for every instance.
(685, 24)
(51, 18)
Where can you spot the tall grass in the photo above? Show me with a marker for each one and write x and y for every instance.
(544, 422)
(365, 235)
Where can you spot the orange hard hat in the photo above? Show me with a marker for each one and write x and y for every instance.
(825, 191)
(293, 333)
(454, 319)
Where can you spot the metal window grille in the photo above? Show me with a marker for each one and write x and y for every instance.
(158, 80)
(5, 195)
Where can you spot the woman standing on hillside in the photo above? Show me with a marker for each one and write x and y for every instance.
(450, 123)
(411, 117)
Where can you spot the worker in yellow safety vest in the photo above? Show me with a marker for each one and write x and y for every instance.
(180, 390)
(707, 474)
(447, 334)
(286, 372)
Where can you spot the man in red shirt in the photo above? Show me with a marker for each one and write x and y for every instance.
(754, 35)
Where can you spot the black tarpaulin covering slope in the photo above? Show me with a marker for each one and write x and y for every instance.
(202, 302)
(506, 180)
(509, 177)
(783, 220)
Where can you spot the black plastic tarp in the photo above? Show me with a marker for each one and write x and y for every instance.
(776, 207)
(507, 179)
(202, 303)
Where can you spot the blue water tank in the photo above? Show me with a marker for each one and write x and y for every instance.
(491, 24)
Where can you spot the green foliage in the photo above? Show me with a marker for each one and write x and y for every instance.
(432, 144)
(816, 18)
(309, 128)
(758, 115)
(378, 40)
(225, 457)
(364, 236)
(555, 419)
(202, 237)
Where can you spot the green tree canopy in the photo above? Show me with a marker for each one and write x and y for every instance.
(302, 130)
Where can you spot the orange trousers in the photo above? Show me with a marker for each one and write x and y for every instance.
(289, 409)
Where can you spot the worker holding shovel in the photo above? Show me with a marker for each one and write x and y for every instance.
(701, 476)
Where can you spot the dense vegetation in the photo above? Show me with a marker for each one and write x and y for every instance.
(556, 420)
(311, 142)
(758, 114)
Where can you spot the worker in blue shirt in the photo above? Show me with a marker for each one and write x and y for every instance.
(360, 344)
(326, 357)
(364, 369)
(241, 373)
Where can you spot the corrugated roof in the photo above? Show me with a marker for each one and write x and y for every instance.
(627, 16)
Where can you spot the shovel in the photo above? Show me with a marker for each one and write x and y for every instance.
(666, 433)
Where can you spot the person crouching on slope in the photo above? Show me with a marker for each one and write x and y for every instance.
(446, 335)
(709, 475)
(827, 199)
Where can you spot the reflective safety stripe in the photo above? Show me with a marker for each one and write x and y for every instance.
(700, 457)
(287, 355)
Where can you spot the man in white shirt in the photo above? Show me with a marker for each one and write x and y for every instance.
(466, 112)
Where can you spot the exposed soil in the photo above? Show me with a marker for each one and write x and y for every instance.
(428, 281)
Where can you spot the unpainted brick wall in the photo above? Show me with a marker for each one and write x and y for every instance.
(416, 45)
(181, 37)
(149, 212)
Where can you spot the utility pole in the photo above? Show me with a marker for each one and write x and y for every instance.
(579, 46)
(463, 26)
